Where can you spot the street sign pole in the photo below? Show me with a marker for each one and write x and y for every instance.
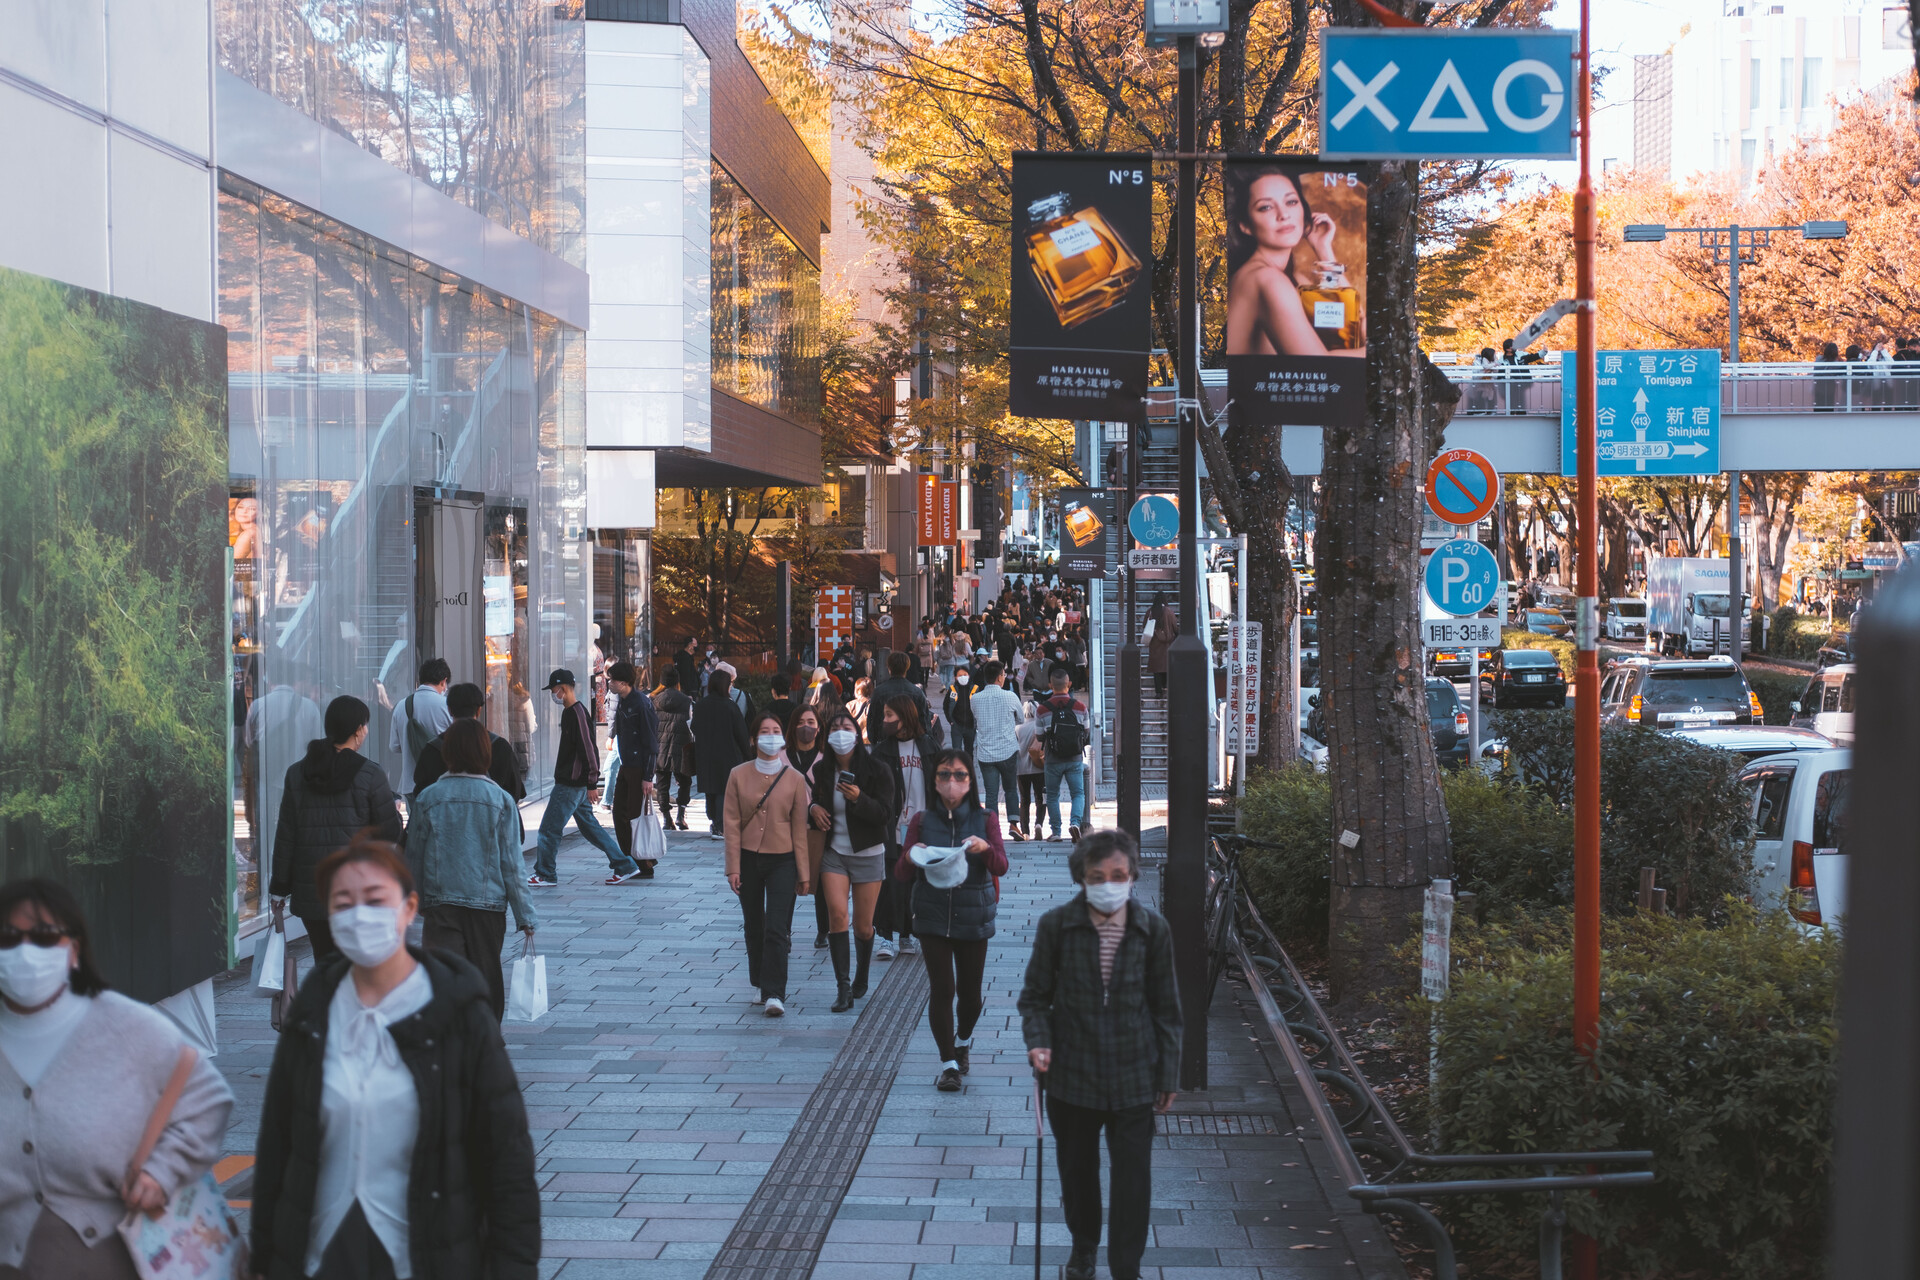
(1586, 672)
(1126, 789)
(1473, 707)
(1184, 884)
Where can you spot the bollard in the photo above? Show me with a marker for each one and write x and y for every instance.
(1877, 1166)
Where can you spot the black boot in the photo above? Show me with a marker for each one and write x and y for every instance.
(683, 817)
(837, 945)
(1080, 1263)
(865, 948)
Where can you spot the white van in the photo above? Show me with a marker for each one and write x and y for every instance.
(1800, 831)
(1826, 705)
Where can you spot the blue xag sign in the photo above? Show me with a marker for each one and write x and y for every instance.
(1446, 94)
(1657, 413)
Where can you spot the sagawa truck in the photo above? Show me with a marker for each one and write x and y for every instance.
(1687, 607)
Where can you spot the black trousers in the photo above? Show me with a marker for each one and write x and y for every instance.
(475, 936)
(663, 783)
(322, 935)
(627, 796)
(1076, 1147)
(954, 970)
(893, 912)
(768, 882)
(1033, 790)
(355, 1253)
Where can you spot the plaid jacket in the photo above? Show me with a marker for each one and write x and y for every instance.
(1115, 1048)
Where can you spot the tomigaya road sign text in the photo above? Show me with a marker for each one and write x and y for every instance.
(1446, 94)
(1462, 578)
(1656, 413)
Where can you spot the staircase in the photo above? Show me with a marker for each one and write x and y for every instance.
(1159, 471)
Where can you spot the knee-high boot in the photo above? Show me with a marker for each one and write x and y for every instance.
(837, 945)
(865, 949)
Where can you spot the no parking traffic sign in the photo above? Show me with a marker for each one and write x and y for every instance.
(1462, 486)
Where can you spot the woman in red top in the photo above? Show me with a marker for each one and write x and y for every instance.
(954, 923)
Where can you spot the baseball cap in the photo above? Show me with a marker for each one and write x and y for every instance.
(560, 676)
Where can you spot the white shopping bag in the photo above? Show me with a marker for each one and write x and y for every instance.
(270, 958)
(527, 994)
(649, 841)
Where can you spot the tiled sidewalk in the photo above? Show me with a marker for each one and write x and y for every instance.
(659, 1096)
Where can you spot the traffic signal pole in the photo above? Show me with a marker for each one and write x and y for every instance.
(1586, 669)
(1183, 891)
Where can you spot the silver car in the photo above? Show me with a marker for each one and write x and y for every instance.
(1750, 742)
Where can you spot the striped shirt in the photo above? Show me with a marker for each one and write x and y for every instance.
(1111, 929)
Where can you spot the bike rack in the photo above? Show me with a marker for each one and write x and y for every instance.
(1395, 1194)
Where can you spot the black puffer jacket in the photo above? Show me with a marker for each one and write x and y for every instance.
(720, 741)
(473, 1202)
(331, 796)
(870, 818)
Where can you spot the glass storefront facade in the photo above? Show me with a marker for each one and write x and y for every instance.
(484, 100)
(408, 481)
(766, 309)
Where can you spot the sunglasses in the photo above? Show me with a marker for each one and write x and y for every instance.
(39, 936)
(954, 775)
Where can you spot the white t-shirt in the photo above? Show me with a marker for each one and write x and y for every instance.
(913, 786)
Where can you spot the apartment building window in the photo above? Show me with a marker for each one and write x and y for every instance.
(1809, 82)
(1786, 84)
(1753, 85)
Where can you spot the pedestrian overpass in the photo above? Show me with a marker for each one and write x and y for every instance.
(1773, 417)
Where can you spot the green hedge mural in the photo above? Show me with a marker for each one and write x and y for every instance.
(113, 710)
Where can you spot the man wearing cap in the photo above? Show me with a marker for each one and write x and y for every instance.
(576, 789)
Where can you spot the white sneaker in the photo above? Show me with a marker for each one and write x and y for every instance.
(909, 947)
(883, 948)
(775, 1008)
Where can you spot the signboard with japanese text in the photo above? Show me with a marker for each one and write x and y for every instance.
(1243, 685)
(1153, 558)
(1296, 292)
(1084, 517)
(929, 510)
(1656, 413)
(1436, 939)
(1080, 303)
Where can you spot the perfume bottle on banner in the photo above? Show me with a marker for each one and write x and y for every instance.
(1082, 264)
(1334, 308)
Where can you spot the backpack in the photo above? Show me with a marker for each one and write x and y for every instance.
(418, 735)
(1066, 735)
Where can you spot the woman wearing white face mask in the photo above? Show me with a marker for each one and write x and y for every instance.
(81, 1068)
(393, 1141)
(765, 818)
(853, 803)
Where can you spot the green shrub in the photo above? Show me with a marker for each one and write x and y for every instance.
(1717, 1052)
(1797, 636)
(1777, 693)
(1293, 809)
(1511, 846)
(1665, 802)
(1520, 638)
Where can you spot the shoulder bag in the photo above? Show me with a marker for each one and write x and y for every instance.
(196, 1237)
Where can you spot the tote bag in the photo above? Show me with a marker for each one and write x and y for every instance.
(527, 996)
(649, 840)
(196, 1237)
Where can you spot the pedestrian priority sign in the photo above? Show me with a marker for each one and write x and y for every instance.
(1656, 413)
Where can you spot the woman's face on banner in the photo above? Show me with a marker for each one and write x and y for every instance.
(1276, 218)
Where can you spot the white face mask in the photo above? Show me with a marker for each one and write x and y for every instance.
(771, 744)
(31, 975)
(1109, 897)
(960, 677)
(368, 936)
(842, 741)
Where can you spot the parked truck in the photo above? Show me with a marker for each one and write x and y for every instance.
(1687, 607)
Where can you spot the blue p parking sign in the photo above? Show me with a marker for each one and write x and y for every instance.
(1462, 578)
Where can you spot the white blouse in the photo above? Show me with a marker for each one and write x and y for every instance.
(369, 1118)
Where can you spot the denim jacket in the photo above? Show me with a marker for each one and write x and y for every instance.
(464, 841)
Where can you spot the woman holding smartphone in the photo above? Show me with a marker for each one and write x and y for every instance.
(853, 803)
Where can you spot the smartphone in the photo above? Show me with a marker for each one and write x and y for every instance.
(846, 778)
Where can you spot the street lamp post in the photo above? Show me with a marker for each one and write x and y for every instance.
(1733, 245)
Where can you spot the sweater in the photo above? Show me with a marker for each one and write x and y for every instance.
(577, 763)
(779, 826)
(68, 1139)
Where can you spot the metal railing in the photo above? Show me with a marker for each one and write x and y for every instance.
(1369, 1131)
(1748, 387)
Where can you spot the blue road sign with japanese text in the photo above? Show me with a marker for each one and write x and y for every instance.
(1657, 413)
(1446, 94)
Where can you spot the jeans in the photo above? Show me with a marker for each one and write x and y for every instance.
(1075, 772)
(767, 885)
(1076, 1147)
(962, 737)
(998, 775)
(1031, 784)
(613, 774)
(572, 802)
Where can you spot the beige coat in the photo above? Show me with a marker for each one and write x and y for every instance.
(780, 826)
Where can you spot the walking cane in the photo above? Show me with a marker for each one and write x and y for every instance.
(1039, 1164)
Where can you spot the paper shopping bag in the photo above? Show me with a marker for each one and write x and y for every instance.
(527, 996)
(269, 961)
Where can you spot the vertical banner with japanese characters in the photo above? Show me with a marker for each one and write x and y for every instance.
(1296, 292)
(1081, 307)
(1084, 517)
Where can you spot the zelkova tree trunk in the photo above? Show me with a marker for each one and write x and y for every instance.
(1386, 783)
(1255, 504)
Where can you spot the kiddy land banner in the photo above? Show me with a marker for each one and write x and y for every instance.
(1081, 310)
(1296, 292)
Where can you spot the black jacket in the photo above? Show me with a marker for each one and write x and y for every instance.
(331, 796)
(890, 688)
(636, 732)
(473, 1202)
(719, 742)
(672, 710)
(870, 818)
(577, 762)
(503, 767)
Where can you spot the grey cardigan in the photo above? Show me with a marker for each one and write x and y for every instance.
(66, 1143)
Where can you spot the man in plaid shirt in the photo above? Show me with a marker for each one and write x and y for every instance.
(1101, 1014)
